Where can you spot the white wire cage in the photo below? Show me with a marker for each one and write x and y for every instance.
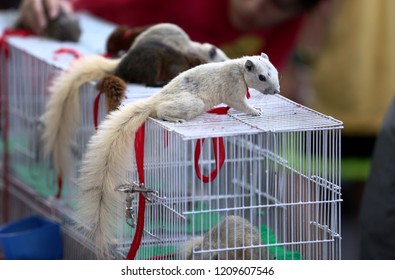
(27, 66)
(26, 73)
(280, 177)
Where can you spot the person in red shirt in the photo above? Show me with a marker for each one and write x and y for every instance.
(238, 27)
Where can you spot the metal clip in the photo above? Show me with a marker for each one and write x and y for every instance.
(136, 187)
(130, 190)
(129, 211)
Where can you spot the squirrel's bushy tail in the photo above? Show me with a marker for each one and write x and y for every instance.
(104, 167)
(63, 109)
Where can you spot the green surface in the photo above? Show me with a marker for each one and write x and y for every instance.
(352, 169)
(355, 169)
(278, 252)
(33, 174)
(195, 223)
(36, 177)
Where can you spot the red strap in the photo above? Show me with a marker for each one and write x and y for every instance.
(219, 110)
(96, 110)
(4, 47)
(70, 51)
(60, 186)
(11, 32)
(219, 156)
(16, 32)
(139, 151)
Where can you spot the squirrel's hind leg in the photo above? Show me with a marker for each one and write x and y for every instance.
(180, 108)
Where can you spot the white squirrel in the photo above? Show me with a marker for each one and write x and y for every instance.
(186, 96)
(63, 109)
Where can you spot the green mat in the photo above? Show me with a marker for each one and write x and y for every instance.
(33, 174)
(36, 177)
(278, 252)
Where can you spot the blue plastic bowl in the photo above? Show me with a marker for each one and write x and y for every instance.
(31, 238)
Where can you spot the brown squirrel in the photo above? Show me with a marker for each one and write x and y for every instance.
(122, 38)
(64, 27)
(154, 64)
(151, 63)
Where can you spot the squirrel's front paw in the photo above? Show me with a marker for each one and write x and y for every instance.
(257, 112)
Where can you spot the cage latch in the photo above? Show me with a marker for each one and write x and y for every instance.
(130, 190)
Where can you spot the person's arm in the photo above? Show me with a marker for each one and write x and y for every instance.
(32, 12)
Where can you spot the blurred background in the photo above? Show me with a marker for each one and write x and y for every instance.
(344, 67)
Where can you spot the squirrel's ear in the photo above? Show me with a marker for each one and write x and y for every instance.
(249, 65)
(265, 56)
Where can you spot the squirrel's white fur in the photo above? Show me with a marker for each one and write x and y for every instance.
(185, 97)
(63, 110)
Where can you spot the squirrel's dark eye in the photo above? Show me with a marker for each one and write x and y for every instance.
(213, 52)
(262, 78)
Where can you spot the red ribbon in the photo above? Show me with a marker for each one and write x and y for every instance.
(11, 32)
(70, 51)
(139, 151)
(219, 110)
(219, 155)
(96, 110)
(60, 186)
